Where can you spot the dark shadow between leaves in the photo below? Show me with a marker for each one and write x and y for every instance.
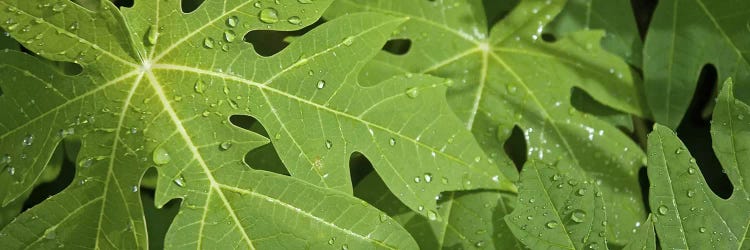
(695, 133)
(264, 157)
(516, 147)
(64, 176)
(397, 46)
(359, 167)
(189, 6)
(158, 220)
(123, 3)
(585, 103)
(270, 42)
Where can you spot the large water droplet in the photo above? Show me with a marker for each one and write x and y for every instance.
(427, 177)
(578, 216)
(152, 35)
(321, 84)
(294, 20)
(551, 224)
(269, 15)
(180, 181)
(225, 145)
(160, 156)
(232, 21)
(209, 43)
(229, 36)
(329, 144)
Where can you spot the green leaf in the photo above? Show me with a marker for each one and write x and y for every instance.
(683, 37)
(506, 76)
(557, 210)
(688, 213)
(614, 16)
(158, 88)
(645, 237)
(471, 219)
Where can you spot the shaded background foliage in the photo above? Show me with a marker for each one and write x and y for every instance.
(694, 130)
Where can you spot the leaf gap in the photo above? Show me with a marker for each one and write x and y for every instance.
(515, 147)
(270, 42)
(123, 3)
(497, 10)
(59, 173)
(189, 6)
(695, 133)
(158, 220)
(262, 158)
(359, 167)
(397, 46)
(549, 37)
(645, 185)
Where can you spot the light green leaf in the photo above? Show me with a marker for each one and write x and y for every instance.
(506, 76)
(557, 210)
(685, 35)
(614, 16)
(687, 213)
(645, 237)
(471, 219)
(158, 88)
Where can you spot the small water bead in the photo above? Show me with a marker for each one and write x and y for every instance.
(180, 181)
(479, 244)
(59, 7)
(321, 84)
(431, 215)
(200, 86)
(348, 41)
(392, 141)
(690, 193)
(383, 217)
(412, 92)
(332, 240)
(581, 192)
(160, 156)
(209, 43)
(134, 189)
(294, 20)
(702, 229)
(225, 145)
(417, 179)
(329, 144)
(269, 15)
(344, 247)
(551, 224)
(11, 171)
(230, 36)
(304, 1)
(663, 210)
(6, 159)
(428, 177)
(28, 140)
(578, 216)
(233, 21)
(691, 170)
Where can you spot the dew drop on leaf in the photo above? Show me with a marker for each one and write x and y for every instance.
(28, 140)
(412, 92)
(5, 160)
(479, 244)
(269, 15)
(431, 215)
(578, 216)
(417, 179)
(344, 247)
(663, 210)
(690, 193)
(691, 170)
(152, 35)
(581, 191)
(392, 141)
(329, 144)
(59, 6)
(11, 170)
(383, 217)
(180, 181)
(348, 41)
(551, 224)
(229, 36)
(225, 145)
(209, 43)
(232, 21)
(160, 156)
(134, 189)
(428, 177)
(332, 241)
(321, 84)
(294, 20)
(200, 86)
(702, 229)
(73, 26)
(304, 1)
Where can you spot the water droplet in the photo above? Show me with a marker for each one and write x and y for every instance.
(229, 36)
(444, 180)
(6, 159)
(134, 189)
(59, 6)
(180, 181)
(28, 140)
(691, 170)
(412, 92)
(321, 84)
(73, 26)
(348, 41)
(581, 191)
(294, 20)
(578, 216)
(383, 217)
(556, 177)
(551, 224)
(431, 215)
(427, 177)
(304, 1)
(511, 88)
(200, 86)
(740, 117)
(678, 151)
(332, 241)
(232, 21)
(593, 245)
(329, 144)
(663, 210)
(344, 247)
(11, 170)
(392, 141)
(160, 156)
(702, 229)
(692, 160)
(479, 244)
(152, 35)
(269, 15)
(209, 43)
(225, 145)
(690, 193)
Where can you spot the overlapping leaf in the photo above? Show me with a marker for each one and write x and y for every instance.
(557, 210)
(688, 215)
(685, 35)
(507, 76)
(158, 88)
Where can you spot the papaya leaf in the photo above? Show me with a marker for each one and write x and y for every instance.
(506, 75)
(557, 211)
(687, 212)
(645, 238)
(158, 88)
(682, 38)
